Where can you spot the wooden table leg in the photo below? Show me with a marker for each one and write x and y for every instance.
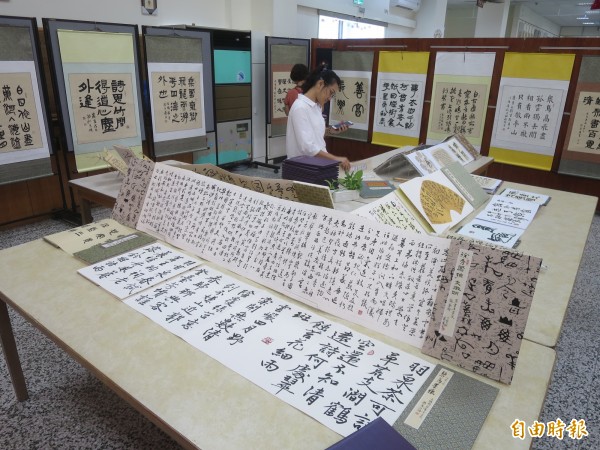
(7, 339)
(86, 211)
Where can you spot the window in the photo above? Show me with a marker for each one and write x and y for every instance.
(338, 26)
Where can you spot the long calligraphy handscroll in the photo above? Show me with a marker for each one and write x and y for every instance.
(355, 268)
(459, 98)
(529, 109)
(338, 376)
(399, 98)
(369, 273)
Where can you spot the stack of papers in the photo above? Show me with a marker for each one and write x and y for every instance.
(489, 185)
(310, 169)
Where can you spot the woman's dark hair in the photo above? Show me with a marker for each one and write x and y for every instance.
(299, 73)
(321, 73)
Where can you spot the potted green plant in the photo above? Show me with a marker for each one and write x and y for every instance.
(346, 188)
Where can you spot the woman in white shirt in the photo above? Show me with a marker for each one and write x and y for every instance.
(306, 126)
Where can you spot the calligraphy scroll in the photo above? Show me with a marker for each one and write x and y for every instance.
(399, 98)
(459, 98)
(338, 376)
(102, 106)
(352, 102)
(357, 269)
(581, 155)
(101, 94)
(481, 309)
(139, 269)
(530, 106)
(19, 123)
(282, 83)
(130, 199)
(281, 56)
(269, 186)
(177, 100)
(25, 144)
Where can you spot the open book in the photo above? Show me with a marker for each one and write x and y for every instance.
(433, 158)
(429, 204)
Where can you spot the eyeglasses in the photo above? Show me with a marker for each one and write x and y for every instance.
(331, 92)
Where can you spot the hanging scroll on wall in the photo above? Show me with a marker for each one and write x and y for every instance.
(281, 54)
(99, 91)
(581, 153)
(179, 73)
(176, 100)
(399, 98)
(459, 97)
(24, 138)
(352, 102)
(529, 109)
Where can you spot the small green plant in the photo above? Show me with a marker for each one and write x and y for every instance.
(333, 184)
(352, 181)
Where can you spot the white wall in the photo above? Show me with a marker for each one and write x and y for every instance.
(492, 19)
(430, 18)
(524, 13)
(460, 22)
(170, 12)
(401, 23)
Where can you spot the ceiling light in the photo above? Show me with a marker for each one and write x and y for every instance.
(587, 23)
(593, 11)
(583, 18)
(583, 4)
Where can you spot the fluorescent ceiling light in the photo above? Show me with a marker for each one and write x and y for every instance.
(588, 23)
(583, 18)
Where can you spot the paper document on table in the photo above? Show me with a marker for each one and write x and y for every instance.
(517, 194)
(508, 211)
(481, 309)
(340, 377)
(132, 272)
(437, 199)
(390, 210)
(86, 236)
(492, 233)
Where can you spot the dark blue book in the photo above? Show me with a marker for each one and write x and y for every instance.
(377, 435)
(311, 162)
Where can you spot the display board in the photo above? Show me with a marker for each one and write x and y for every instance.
(459, 97)
(232, 73)
(179, 73)
(530, 107)
(564, 61)
(399, 98)
(281, 54)
(25, 144)
(353, 101)
(99, 92)
(581, 150)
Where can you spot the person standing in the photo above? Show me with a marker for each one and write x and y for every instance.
(297, 75)
(306, 127)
